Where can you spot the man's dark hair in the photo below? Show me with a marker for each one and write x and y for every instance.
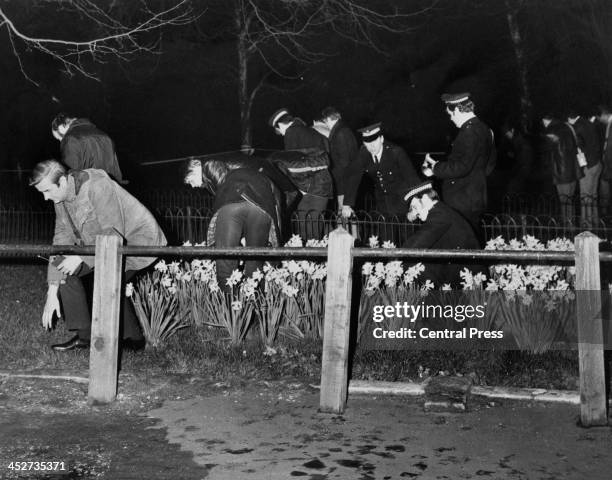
(572, 113)
(431, 193)
(330, 112)
(61, 119)
(603, 110)
(466, 106)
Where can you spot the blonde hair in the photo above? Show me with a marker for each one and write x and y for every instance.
(193, 176)
(51, 169)
(208, 174)
(214, 171)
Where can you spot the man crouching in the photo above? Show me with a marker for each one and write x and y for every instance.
(89, 203)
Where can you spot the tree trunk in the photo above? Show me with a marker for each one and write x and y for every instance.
(243, 79)
(517, 40)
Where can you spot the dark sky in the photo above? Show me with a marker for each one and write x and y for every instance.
(184, 101)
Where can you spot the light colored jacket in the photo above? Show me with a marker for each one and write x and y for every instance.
(97, 205)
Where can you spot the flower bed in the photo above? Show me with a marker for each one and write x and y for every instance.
(533, 303)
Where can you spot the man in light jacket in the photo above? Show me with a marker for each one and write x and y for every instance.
(89, 203)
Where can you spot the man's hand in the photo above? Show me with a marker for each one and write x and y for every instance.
(70, 264)
(347, 211)
(52, 306)
(340, 199)
(429, 162)
(428, 166)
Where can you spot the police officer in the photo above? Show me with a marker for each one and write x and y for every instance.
(315, 181)
(389, 168)
(443, 228)
(472, 158)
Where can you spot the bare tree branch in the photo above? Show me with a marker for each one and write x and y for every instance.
(117, 39)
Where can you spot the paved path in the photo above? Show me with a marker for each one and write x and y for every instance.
(278, 434)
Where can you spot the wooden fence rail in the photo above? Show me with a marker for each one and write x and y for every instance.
(340, 256)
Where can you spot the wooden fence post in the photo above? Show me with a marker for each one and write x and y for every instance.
(107, 298)
(590, 331)
(334, 368)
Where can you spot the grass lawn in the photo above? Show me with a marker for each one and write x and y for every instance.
(24, 345)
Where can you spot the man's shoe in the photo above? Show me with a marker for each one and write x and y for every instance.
(73, 343)
(133, 344)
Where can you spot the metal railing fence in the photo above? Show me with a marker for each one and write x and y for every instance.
(183, 224)
(585, 206)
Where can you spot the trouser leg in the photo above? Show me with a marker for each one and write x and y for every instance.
(604, 195)
(310, 211)
(257, 233)
(474, 219)
(566, 193)
(588, 196)
(228, 232)
(75, 308)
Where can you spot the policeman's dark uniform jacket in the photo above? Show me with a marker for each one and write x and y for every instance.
(86, 146)
(444, 228)
(343, 152)
(464, 174)
(392, 177)
(299, 136)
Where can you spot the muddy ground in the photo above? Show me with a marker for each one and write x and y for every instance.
(184, 427)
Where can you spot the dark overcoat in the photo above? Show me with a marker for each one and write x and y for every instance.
(301, 137)
(86, 146)
(392, 177)
(343, 152)
(464, 173)
(444, 228)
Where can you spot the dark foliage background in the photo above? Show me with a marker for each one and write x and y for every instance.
(183, 101)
